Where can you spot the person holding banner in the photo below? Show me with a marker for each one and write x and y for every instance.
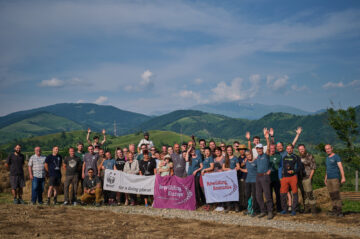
(147, 168)
(207, 167)
(108, 163)
(231, 163)
(219, 161)
(195, 167)
(263, 178)
(131, 167)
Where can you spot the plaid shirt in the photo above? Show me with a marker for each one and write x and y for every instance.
(37, 164)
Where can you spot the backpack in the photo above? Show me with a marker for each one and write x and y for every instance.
(250, 206)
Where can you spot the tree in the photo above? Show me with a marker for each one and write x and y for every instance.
(346, 128)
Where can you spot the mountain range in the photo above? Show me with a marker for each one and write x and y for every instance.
(70, 117)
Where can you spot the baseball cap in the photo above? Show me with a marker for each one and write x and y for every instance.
(259, 146)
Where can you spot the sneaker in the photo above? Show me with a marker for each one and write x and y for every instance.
(246, 213)
(33, 203)
(252, 214)
(219, 209)
(20, 201)
(340, 214)
(263, 214)
(146, 205)
(41, 203)
(293, 213)
(97, 204)
(65, 203)
(270, 216)
(16, 201)
(237, 208)
(55, 200)
(283, 212)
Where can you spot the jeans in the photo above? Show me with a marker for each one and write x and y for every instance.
(37, 189)
(250, 191)
(263, 189)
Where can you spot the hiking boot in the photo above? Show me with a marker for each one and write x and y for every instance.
(283, 212)
(66, 203)
(74, 203)
(252, 214)
(293, 213)
(21, 201)
(270, 216)
(16, 201)
(237, 208)
(263, 214)
(246, 213)
(55, 200)
(313, 209)
(340, 214)
(307, 209)
(48, 202)
(97, 204)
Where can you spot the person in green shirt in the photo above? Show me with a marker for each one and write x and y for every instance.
(80, 154)
(275, 159)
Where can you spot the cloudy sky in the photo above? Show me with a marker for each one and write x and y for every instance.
(153, 56)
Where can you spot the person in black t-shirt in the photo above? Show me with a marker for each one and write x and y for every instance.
(119, 165)
(53, 164)
(15, 163)
(72, 165)
(147, 168)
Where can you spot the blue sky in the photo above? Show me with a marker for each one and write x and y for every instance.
(154, 56)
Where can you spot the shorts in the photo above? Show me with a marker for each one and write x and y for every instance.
(17, 182)
(54, 181)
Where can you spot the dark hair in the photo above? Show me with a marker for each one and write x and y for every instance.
(227, 159)
(236, 142)
(90, 169)
(107, 152)
(207, 148)
(96, 137)
(218, 148)
(17, 145)
(142, 145)
(184, 144)
(301, 145)
(280, 143)
(91, 146)
(202, 140)
(212, 141)
(256, 137)
(145, 152)
(290, 144)
(71, 148)
(80, 143)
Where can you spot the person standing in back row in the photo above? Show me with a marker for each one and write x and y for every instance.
(333, 178)
(90, 161)
(96, 139)
(72, 166)
(146, 140)
(53, 164)
(15, 163)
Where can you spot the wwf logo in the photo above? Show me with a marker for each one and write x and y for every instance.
(110, 178)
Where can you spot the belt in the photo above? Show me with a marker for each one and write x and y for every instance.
(261, 174)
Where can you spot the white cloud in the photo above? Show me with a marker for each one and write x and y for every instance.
(277, 84)
(355, 84)
(146, 78)
(145, 83)
(329, 85)
(235, 90)
(80, 101)
(198, 81)
(101, 100)
(189, 94)
(53, 82)
(299, 88)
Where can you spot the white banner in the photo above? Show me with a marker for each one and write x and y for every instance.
(118, 181)
(221, 187)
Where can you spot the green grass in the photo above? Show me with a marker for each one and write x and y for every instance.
(351, 206)
(5, 198)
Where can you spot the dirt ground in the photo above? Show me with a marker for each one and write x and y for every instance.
(18, 221)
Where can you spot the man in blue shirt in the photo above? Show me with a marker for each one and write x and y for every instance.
(333, 177)
(263, 178)
(108, 163)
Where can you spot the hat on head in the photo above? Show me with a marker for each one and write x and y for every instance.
(242, 146)
(259, 146)
(167, 156)
(146, 133)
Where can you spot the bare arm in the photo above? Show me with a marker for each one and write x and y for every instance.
(104, 140)
(272, 139)
(88, 136)
(341, 172)
(247, 135)
(46, 166)
(83, 171)
(298, 132)
(30, 173)
(266, 134)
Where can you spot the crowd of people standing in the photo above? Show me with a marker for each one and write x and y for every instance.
(262, 171)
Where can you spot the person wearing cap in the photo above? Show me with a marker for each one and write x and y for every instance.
(146, 140)
(242, 175)
(164, 166)
(263, 177)
(96, 139)
(288, 175)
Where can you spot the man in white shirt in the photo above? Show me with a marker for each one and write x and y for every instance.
(146, 141)
(37, 175)
(256, 141)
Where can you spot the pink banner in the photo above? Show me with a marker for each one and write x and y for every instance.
(174, 192)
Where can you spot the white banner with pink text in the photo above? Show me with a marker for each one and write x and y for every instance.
(221, 187)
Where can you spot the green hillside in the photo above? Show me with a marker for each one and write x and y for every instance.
(37, 124)
(65, 140)
(315, 127)
(97, 117)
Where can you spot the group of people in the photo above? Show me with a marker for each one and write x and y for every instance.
(262, 170)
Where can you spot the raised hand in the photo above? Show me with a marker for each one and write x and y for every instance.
(298, 130)
(266, 134)
(265, 130)
(103, 131)
(89, 130)
(271, 132)
(247, 135)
